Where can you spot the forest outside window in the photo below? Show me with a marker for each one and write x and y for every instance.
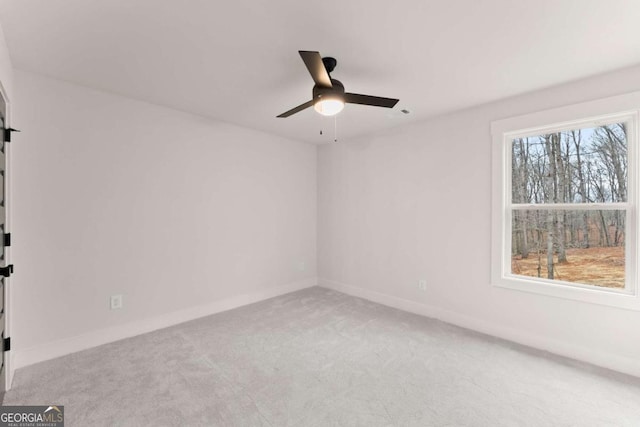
(569, 205)
(564, 206)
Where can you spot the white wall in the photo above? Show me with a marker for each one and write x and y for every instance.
(415, 202)
(6, 68)
(182, 215)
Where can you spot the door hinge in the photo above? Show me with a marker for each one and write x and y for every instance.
(6, 344)
(6, 271)
(6, 239)
(7, 133)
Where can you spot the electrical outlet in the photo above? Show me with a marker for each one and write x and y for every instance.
(302, 266)
(422, 285)
(116, 302)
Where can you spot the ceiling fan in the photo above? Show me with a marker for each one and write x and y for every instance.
(329, 96)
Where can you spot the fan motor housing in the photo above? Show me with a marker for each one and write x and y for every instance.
(337, 91)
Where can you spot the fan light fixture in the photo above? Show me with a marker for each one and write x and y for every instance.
(329, 106)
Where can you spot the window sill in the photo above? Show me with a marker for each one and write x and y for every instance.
(608, 297)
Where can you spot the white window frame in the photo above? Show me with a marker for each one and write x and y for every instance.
(624, 107)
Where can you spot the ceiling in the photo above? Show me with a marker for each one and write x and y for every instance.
(237, 61)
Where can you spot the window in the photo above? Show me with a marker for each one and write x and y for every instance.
(565, 203)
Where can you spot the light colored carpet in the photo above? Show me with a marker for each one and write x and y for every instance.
(322, 358)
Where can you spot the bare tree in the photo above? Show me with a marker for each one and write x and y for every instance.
(576, 136)
(559, 194)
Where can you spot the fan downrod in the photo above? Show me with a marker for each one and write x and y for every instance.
(329, 63)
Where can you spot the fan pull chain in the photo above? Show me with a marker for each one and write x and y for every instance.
(335, 128)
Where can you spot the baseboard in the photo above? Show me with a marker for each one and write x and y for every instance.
(51, 350)
(611, 361)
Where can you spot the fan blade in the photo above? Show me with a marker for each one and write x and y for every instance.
(314, 64)
(297, 109)
(376, 101)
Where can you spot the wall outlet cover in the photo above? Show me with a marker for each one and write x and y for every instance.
(116, 302)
